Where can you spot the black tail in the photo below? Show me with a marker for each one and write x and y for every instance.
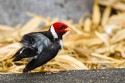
(24, 53)
(16, 56)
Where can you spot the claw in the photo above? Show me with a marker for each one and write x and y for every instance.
(51, 72)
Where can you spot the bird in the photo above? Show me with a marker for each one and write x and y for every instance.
(41, 47)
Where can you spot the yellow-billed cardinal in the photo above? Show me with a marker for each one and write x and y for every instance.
(41, 46)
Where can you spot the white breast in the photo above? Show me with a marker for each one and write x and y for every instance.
(61, 43)
(53, 32)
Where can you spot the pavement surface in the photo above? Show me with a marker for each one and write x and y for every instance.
(80, 76)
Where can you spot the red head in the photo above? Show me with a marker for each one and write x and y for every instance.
(60, 28)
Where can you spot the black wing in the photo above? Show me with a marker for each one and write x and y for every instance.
(24, 53)
(28, 40)
(46, 55)
(33, 44)
(35, 41)
(27, 50)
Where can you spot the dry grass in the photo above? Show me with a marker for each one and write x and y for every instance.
(98, 42)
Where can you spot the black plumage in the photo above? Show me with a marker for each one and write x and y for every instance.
(24, 53)
(46, 55)
(33, 44)
(39, 44)
(41, 47)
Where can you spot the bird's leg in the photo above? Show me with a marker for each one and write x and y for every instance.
(51, 72)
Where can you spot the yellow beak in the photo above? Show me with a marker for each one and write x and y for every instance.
(68, 29)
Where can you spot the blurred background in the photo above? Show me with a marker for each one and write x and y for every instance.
(97, 39)
(13, 12)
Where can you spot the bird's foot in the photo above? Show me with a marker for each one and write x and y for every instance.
(51, 72)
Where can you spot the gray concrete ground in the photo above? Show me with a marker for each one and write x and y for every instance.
(82, 76)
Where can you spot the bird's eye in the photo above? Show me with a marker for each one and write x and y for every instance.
(62, 27)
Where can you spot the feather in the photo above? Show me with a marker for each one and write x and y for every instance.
(24, 53)
(46, 55)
